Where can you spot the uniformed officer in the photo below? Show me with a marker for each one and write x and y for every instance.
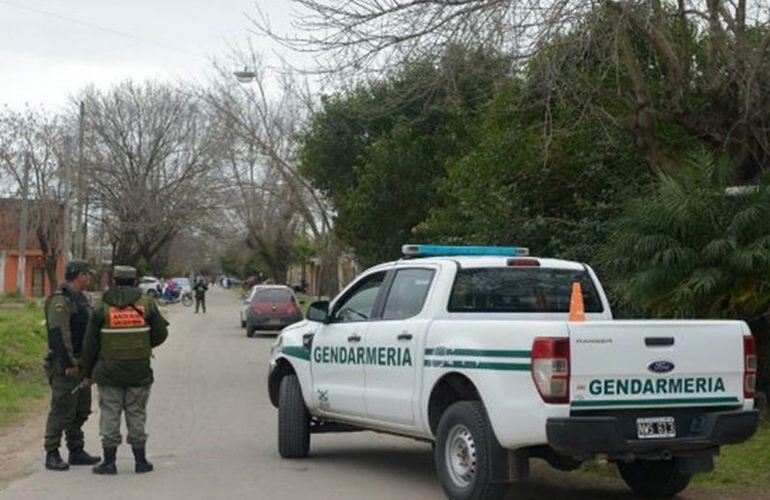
(66, 315)
(200, 294)
(116, 356)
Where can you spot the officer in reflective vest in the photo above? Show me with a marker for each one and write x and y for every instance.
(116, 356)
(66, 316)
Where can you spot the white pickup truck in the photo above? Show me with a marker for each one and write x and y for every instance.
(473, 349)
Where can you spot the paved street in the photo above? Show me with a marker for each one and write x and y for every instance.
(213, 436)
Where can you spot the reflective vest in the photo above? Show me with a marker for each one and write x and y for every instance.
(126, 334)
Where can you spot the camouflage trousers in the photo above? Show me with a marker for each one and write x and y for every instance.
(68, 412)
(116, 400)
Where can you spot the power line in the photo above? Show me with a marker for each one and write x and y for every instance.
(104, 29)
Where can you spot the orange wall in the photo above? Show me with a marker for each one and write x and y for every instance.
(34, 260)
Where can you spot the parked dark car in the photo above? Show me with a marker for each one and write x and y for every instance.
(271, 307)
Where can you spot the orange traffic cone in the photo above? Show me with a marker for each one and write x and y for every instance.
(577, 311)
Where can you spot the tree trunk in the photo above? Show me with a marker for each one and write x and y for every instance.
(329, 254)
(49, 264)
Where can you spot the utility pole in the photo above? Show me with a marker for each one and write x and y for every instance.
(67, 229)
(79, 243)
(22, 263)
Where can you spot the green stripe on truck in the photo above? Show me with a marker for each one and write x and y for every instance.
(483, 353)
(476, 365)
(652, 402)
(296, 352)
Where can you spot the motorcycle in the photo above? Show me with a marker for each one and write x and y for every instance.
(186, 298)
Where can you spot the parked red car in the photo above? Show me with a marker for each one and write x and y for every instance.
(271, 307)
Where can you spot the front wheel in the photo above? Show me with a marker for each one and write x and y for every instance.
(187, 301)
(293, 420)
(654, 478)
(466, 452)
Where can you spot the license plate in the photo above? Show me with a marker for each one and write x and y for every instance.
(274, 321)
(655, 427)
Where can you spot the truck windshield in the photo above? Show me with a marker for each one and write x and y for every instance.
(520, 290)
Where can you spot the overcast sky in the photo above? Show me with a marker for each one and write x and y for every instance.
(49, 49)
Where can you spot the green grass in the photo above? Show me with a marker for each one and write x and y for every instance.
(306, 300)
(742, 466)
(22, 346)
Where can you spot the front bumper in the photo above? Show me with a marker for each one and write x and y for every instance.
(590, 435)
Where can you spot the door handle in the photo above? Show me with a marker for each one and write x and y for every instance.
(658, 341)
(405, 336)
(354, 338)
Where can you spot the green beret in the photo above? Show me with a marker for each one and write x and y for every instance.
(75, 267)
(124, 273)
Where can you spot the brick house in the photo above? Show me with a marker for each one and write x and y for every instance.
(36, 281)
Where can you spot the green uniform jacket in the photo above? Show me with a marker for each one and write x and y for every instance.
(66, 317)
(121, 373)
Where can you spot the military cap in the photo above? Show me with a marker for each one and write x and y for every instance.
(124, 273)
(75, 267)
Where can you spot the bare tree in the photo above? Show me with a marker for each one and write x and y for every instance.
(258, 130)
(41, 138)
(701, 50)
(151, 165)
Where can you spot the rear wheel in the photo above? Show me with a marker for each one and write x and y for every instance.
(654, 478)
(293, 420)
(465, 453)
(243, 324)
(249, 331)
(187, 300)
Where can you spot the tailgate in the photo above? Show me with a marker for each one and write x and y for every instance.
(647, 364)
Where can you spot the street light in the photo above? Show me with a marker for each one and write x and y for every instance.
(245, 76)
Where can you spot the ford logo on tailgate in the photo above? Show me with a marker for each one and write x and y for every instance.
(660, 366)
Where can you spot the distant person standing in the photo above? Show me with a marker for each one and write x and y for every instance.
(200, 289)
(116, 353)
(66, 316)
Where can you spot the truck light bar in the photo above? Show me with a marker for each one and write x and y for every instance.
(447, 250)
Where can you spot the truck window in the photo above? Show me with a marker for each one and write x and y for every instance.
(407, 293)
(520, 290)
(359, 303)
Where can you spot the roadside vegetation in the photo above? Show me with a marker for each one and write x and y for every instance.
(21, 356)
(743, 466)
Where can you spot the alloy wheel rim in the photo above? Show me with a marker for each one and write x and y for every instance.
(460, 455)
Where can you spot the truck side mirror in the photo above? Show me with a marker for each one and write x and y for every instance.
(318, 311)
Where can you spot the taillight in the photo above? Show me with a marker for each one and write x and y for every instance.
(550, 368)
(749, 367)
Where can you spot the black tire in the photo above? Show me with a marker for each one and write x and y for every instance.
(187, 301)
(293, 420)
(249, 331)
(152, 293)
(654, 478)
(243, 324)
(464, 429)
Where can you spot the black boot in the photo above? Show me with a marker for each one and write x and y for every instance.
(82, 457)
(53, 461)
(108, 465)
(142, 465)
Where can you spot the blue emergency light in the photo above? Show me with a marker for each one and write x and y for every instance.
(447, 250)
